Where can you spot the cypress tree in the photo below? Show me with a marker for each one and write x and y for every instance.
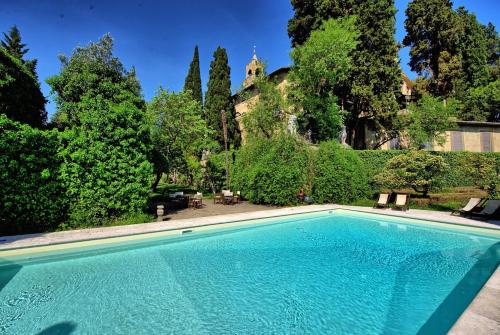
(21, 98)
(193, 78)
(374, 85)
(218, 98)
(474, 50)
(12, 43)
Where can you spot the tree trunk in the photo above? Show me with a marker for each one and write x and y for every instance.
(159, 173)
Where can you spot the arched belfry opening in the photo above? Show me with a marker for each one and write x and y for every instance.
(253, 69)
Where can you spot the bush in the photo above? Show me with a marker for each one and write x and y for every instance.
(31, 196)
(272, 171)
(106, 170)
(456, 175)
(339, 175)
(419, 170)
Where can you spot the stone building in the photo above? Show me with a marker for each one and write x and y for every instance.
(468, 136)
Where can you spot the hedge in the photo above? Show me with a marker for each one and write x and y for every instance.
(31, 195)
(456, 174)
(272, 171)
(339, 175)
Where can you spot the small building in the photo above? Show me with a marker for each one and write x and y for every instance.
(468, 136)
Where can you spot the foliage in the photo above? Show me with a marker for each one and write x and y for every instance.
(428, 120)
(218, 98)
(339, 175)
(474, 50)
(15, 47)
(372, 91)
(320, 64)
(482, 103)
(493, 47)
(193, 78)
(215, 171)
(31, 198)
(91, 71)
(420, 170)
(177, 130)
(483, 171)
(106, 171)
(20, 96)
(457, 174)
(266, 114)
(271, 171)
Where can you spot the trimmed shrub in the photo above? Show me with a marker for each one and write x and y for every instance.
(272, 171)
(460, 164)
(339, 175)
(31, 196)
(420, 170)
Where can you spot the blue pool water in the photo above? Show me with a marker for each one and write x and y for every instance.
(328, 273)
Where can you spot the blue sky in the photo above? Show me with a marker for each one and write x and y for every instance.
(158, 37)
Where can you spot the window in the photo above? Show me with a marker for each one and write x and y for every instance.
(486, 142)
(457, 141)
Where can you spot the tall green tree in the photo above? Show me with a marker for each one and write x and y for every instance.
(432, 26)
(193, 78)
(218, 98)
(493, 46)
(474, 50)
(13, 45)
(91, 71)
(21, 98)
(372, 90)
(178, 131)
(320, 64)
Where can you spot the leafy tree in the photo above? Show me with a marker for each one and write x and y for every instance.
(373, 88)
(266, 114)
(493, 46)
(218, 98)
(339, 175)
(31, 198)
(482, 103)
(193, 79)
(106, 170)
(320, 64)
(177, 130)
(474, 50)
(432, 26)
(420, 170)
(91, 71)
(428, 120)
(20, 96)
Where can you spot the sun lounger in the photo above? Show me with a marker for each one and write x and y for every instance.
(383, 201)
(471, 205)
(489, 209)
(402, 201)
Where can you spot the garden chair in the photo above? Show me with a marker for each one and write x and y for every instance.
(472, 205)
(383, 201)
(402, 201)
(237, 197)
(489, 209)
(218, 198)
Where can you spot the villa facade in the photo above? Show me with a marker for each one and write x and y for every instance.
(468, 136)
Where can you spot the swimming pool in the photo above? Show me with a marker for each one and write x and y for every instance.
(329, 272)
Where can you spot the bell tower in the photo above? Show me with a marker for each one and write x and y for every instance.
(253, 69)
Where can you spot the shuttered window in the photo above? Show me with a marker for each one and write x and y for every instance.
(457, 141)
(486, 142)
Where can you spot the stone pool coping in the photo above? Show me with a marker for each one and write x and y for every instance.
(482, 316)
